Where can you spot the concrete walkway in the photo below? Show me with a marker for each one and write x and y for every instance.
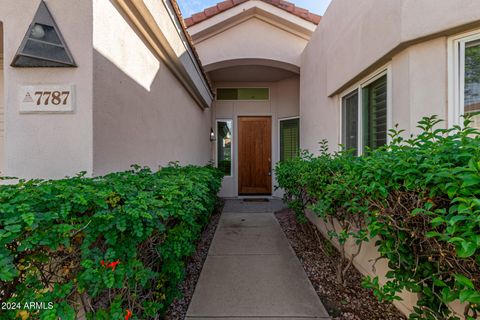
(251, 271)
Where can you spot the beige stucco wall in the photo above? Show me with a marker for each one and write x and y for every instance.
(48, 145)
(428, 83)
(252, 39)
(283, 103)
(356, 38)
(142, 114)
(2, 122)
(409, 37)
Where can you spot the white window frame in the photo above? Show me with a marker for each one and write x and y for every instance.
(231, 142)
(359, 86)
(456, 75)
(279, 133)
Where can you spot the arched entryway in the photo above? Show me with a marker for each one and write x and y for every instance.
(252, 52)
(254, 98)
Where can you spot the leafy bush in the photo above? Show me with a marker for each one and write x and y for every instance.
(420, 196)
(103, 245)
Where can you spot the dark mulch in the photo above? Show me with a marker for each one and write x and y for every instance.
(178, 309)
(351, 303)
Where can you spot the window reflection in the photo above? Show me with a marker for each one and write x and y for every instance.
(224, 146)
(472, 82)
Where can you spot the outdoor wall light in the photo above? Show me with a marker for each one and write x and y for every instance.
(43, 44)
(212, 135)
(38, 32)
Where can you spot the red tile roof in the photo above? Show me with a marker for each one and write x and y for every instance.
(226, 5)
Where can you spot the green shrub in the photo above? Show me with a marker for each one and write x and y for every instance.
(420, 196)
(58, 240)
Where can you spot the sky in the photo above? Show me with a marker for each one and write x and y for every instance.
(190, 7)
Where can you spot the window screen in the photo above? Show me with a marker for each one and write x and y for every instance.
(350, 121)
(224, 146)
(243, 94)
(472, 82)
(289, 139)
(375, 113)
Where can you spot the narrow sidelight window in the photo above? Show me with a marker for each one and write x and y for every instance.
(289, 139)
(350, 121)
(471, 101)
(374, 102)
(224, 146)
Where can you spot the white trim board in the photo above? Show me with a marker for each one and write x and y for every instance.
(456, 70)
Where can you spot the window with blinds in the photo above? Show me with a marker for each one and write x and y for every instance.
(350, 121)
(289, 139)
(374, 101)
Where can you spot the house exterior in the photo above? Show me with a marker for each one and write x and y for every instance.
(252, 52)
(136, 96)
(385, 63)
(364, 69)
(205, 89)
(243, 84)
(423, 52)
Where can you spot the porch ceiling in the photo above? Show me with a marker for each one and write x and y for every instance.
(250, 73)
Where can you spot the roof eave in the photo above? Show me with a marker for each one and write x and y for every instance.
(189, 72)
(229, 4)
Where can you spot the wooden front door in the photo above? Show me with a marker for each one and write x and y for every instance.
(255, 155)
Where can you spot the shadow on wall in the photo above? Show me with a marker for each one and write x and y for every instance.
(133, 125)
(124, 48)
(141, 112)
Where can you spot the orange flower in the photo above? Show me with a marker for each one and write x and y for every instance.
(128, 315)
(113, 265)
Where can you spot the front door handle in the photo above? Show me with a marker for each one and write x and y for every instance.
(269, 167)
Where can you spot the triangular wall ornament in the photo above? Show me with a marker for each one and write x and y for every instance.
(43, 44)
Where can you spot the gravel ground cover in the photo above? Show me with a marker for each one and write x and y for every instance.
(318, 258)
(178, 309)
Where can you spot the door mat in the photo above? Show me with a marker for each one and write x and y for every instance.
(256, 200)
